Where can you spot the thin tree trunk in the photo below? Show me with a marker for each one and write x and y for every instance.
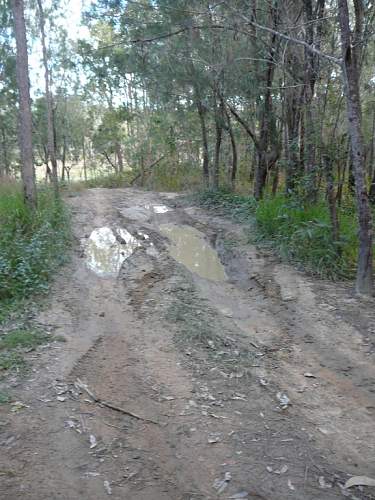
(4, 167)
(63, 159)
(50, 128)
(331, 198)
(25, 118)
(233, 172)
(364, 281)
(206, 157)
(372, 165)
(84, 160)
(120, 160)
(216, 164)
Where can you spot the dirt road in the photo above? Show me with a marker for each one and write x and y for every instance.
(246, 378)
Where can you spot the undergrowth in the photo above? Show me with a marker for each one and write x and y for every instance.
(32, 246)
(298, 232)
(14, 344)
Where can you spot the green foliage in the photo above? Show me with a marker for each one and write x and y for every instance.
(299, 233)
(27, 339)
(4, 398)
(177, 177)
(110, 181)
(11, 361)
(31, 245)
(241, 208)
(302, 233)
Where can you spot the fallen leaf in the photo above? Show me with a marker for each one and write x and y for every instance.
(290, 485)
(107, 487)
(93, 441)
(323, 484)
(18, 405)
(283, 399)
(359, 481)
(309, 375)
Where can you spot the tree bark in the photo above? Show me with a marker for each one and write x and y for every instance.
(331, 198)
(4, 167)
(206, 157)
(25, 118)
(49, 101)
(350, 72)
(219, 135)
(233, 172)
(120, 159)
(84, 160)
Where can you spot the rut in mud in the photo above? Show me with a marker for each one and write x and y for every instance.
(245, 379)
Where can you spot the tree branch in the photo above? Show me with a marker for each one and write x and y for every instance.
(244, 124)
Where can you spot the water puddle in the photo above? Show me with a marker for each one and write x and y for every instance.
(143, 213)
(106, 250)
(189, 247)
(158, 209)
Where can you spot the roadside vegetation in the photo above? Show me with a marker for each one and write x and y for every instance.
(33, 244)
(299, 232)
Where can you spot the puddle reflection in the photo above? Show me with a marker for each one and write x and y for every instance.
(158, 209)
(189, 247)
(107, 250)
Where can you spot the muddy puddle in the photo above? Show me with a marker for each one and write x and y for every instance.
(145, 212)
(189, 247)
(107, 249)
(158, 209)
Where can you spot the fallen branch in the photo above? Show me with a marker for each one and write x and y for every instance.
(149, 167)
(80, 385)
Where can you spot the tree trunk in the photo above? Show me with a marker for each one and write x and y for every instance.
(4, 167)
(216, 164)
(84, 160)
(206, 157)
(25, 119)
(49, 101)
(372, 166)
(233, 172)
(265, 129)
(331, 198)
(120, 160)
(364, 281)
(63, 159)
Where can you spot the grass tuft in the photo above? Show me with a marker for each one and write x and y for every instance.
(4, 398)
(26, 339)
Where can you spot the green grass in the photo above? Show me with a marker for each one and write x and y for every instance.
(14, 344)
(32, 246)
(26, 339)
(11, 361)
(5, 398)
(110, 181)
(298, 232)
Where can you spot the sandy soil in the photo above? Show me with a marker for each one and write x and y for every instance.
(202, 363)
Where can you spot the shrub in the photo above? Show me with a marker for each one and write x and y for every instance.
(300, 233)
(32, 245)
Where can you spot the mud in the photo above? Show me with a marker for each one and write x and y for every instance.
(106, 250)
(189, 247)
(207, 359)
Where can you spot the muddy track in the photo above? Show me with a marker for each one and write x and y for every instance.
(260, 383)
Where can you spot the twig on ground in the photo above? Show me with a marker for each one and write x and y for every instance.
(80, 385)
